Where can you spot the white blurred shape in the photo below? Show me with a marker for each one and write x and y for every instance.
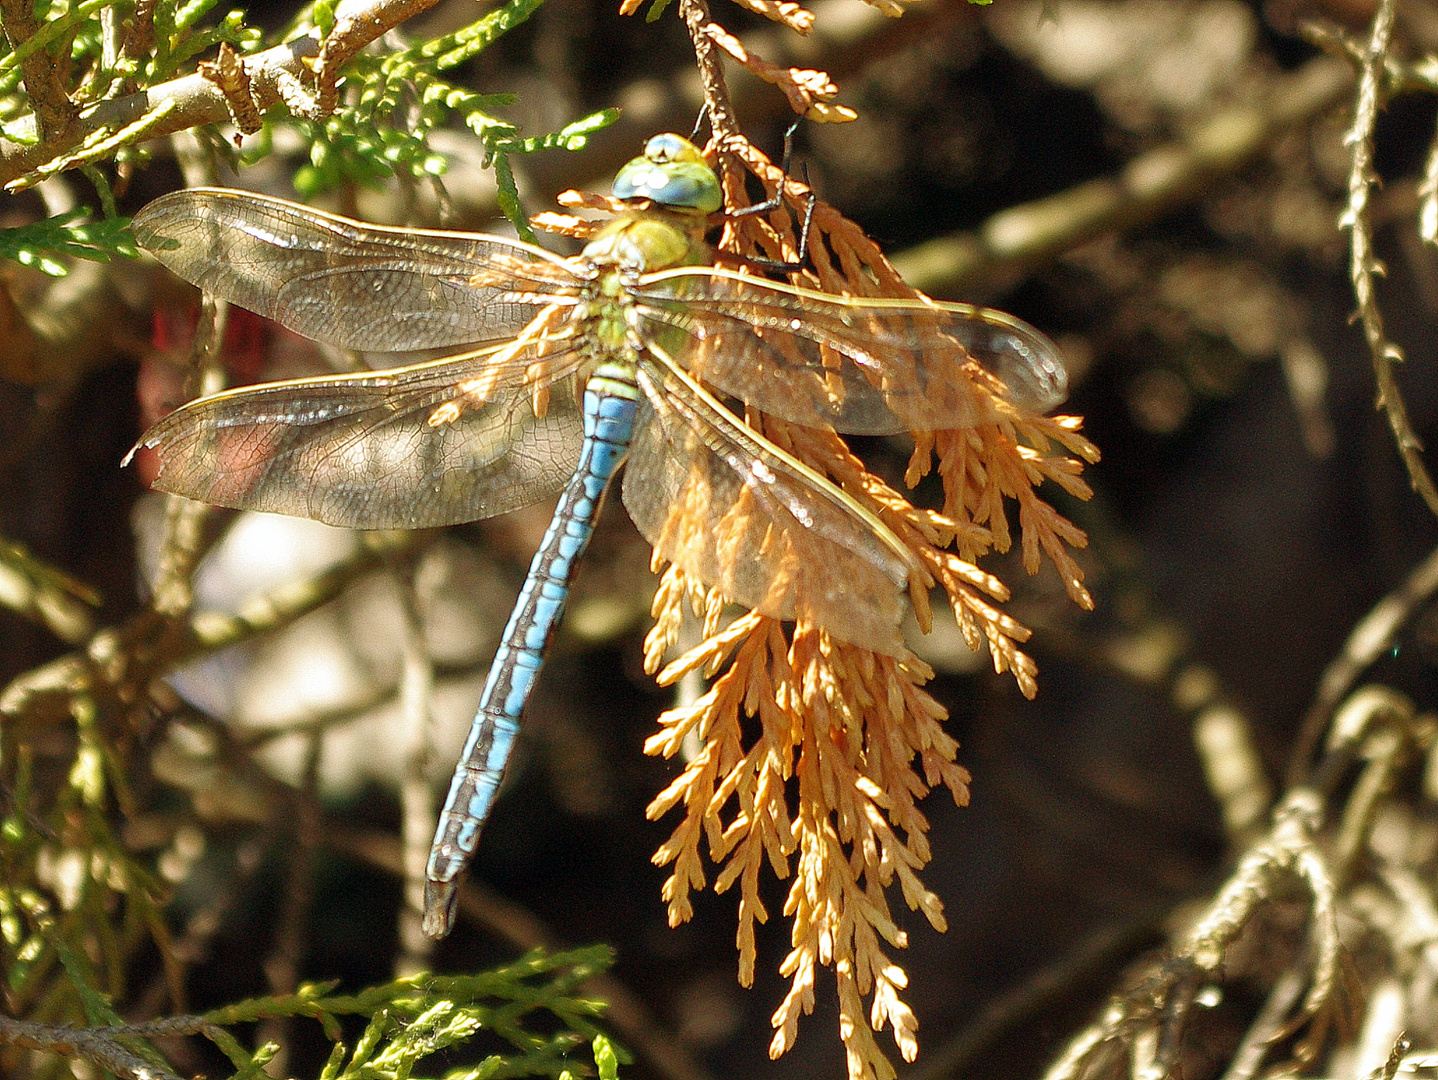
(1137, 56)
(343, 657)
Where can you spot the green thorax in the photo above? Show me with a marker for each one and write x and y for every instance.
(680, 191)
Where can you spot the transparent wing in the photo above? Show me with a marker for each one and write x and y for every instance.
(730, 509)
(396, 449)
(862, 365)
(340, 281)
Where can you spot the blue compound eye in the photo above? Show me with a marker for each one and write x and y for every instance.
(671, 173)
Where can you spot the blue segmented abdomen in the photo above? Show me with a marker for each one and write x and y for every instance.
(610, 400)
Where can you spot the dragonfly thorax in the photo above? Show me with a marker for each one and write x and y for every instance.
(603, 322)
(619, 254)
(643, 243)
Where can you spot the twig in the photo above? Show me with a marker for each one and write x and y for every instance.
(182, 538)
(97, 146)
(277, 74)
(357, 23)
(44, 81)
(1428, 196)
(720, 112)
(1289, 850)
(1101, 951)
(282, 965)
(417, 806)
(1223, 736)
(202, 926)
(1014, 240)
(845, 39)
(1364, 265)
(1398, 77)
(128, 656)
(1154, 1012)
(1368, 640)
(1377, 723)
(181, 543)
(1381, 1045)
(98, 1045)
(35, 590)
(1268, 1025)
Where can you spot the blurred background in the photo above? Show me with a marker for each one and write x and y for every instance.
(1250, 508)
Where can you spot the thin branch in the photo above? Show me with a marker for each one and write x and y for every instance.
(1428, 196)
(182, 542)
(695, 14)
(1104, 950)
(1016, 239)
(1369, 640)
(1377, 723)
(1149, 1018)
(278, 74)
(1398, 77)
(44, 79)
(288, 950)
(357, 23)
(1364, 265)
(129, 655)
(417, 802)
(1268, 1025)
(100, 1046)
(38, 591)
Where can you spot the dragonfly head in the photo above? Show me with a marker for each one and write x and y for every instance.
(672, 174)
(682, 191)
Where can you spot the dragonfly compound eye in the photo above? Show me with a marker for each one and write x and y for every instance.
(671, 173)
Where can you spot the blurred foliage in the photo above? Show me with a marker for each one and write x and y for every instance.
(42, 244)
(406, 1024)
(81, 55)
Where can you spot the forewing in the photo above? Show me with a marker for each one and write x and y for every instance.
(862, 365)
(340, 281)
(719, 502)
(395, 449)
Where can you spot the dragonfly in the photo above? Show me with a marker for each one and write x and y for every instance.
(629, 354)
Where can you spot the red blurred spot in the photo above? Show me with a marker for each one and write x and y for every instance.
(160, 386)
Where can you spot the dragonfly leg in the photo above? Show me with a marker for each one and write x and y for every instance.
(609, 408)
(774, 202)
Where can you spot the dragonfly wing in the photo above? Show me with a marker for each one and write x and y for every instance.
(394, 449)
(862, 365)
(340, 281)
(732, 510)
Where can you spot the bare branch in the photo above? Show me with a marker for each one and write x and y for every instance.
(1363, 263)
(98, 1045)
(1016, 239)
(44, 73)
(278, 74)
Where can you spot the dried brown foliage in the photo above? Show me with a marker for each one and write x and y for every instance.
(848, 740)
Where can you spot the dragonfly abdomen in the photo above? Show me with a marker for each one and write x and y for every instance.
(610, 401)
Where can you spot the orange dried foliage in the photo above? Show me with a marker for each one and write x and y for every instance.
(847, 737)
(792, 15)
(810, 93)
